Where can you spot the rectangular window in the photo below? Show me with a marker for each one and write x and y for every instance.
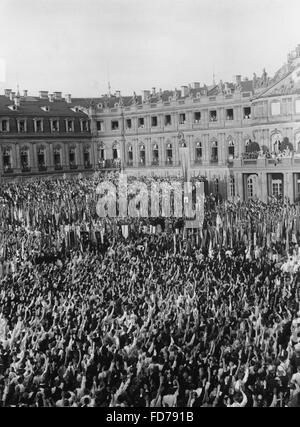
(182, 118)
(141, 122)
(213, 116)
(114, 125)
(247, 113)
(69, 125)
(275, 108)
(22, 126)
(84, 126)
(197, 117)
(154, 121)
(168, 120)
(128, 123)
(100, 126)
(298, 106)
(54, 126)
(4, 126)
(38, 126)
(229, 114)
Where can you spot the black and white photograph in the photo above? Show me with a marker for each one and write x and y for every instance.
(150, 206)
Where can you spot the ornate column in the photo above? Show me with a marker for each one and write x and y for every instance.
(191, 146)
(16, 157)
(148, 151)
(221, 148)
(264, 187)
(176, 158)
(162, 151)
(33, 157)
(50, 155)
(206, 149)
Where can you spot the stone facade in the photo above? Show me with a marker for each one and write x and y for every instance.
(218, 123)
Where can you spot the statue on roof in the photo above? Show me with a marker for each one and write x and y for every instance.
(175, 94)
(220, 87)
(134, 98)
(105, 101)
(264, 77)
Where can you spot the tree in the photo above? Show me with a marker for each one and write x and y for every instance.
(252, 147)
(286, 145)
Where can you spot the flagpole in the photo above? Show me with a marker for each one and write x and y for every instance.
(123, 139)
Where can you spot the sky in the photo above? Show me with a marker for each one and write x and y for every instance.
(78, 46)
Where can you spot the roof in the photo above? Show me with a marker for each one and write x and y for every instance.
(32, 106)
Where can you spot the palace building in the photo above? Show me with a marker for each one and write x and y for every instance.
(243, 136)
(47, 134)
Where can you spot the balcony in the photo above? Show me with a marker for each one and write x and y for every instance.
(42, 168)
(73, 166)
(109, 164)
(26, 169)
(8, 170)
(88, 165)
(58, 167)
(214, 160)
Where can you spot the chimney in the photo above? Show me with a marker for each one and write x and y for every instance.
(12, 96)
(58, 96)
(17, 101)
(51, 97)
(146, 94)
(43, 94)
(238, 79)
(153, 91)
(7, 92)
(25, 93)
(68, 98)
(195, 85)
(184, 91)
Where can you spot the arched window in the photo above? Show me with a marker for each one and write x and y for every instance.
(116, 151)
(24, 158)
(7, 159)
(101, 152)
(130, 155)
(276, 140)
(169, 154)
(155, 155)
(142, 155)
(87, 157)
(214, 152)
(231, 149)
(72, 157)
(57, 158)
(41, 157)
(231, 186)
(198, 153)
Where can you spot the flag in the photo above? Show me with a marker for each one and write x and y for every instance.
(125, 231)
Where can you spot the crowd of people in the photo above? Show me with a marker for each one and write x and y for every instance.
(142, 312)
